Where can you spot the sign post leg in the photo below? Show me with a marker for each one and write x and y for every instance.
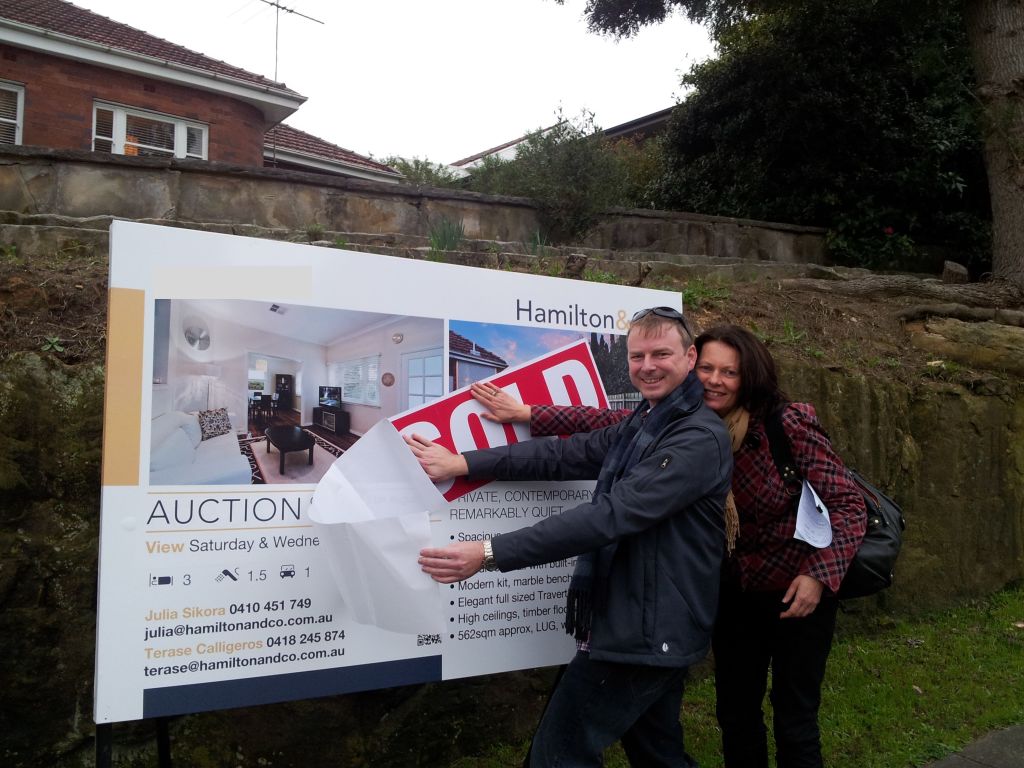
(104, 744)
(163, 743)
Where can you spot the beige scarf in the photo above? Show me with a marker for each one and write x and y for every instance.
(736, 421)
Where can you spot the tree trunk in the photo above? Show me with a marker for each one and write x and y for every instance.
(995, 29)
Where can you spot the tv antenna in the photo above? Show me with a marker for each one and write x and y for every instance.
(277, 22)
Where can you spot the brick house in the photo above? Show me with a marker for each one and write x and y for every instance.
(72, 79)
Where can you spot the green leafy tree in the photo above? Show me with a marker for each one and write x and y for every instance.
(877, 144)
(994, 28)
(425, 172)
(640, 164)
(568, 169)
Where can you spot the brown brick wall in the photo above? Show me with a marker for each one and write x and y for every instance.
(59, 96)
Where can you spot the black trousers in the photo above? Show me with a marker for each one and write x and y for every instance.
(595, 703)
(749, 638)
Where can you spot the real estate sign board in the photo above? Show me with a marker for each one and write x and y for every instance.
(239, 370)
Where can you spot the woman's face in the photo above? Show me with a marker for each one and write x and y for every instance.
(718, 369)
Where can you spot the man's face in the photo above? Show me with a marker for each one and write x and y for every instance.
(658, 362)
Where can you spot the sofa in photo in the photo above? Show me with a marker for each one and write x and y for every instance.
(196, 449)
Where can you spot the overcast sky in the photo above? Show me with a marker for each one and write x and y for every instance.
(440, 80)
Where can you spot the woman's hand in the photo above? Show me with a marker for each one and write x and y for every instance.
(455, 562)
(438, 462)
(803, 596)
(502, 406)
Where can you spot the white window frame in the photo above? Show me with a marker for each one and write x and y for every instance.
(19, 118)
(120, 129)
(358, 378)
(407, 377)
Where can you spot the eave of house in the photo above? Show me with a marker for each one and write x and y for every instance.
(275, 104)
(490, 362)
(334, 166)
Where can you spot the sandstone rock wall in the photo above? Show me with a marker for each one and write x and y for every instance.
(82, 184)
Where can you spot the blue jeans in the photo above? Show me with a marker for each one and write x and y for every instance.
(596, 703)
(750, 639)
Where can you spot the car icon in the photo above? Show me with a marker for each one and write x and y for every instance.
(287, 571)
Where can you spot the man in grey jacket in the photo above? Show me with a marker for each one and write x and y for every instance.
(649, 547)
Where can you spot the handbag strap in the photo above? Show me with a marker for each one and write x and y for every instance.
(778, 444)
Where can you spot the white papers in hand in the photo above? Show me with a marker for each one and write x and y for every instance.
(812, 523)
(372, 509)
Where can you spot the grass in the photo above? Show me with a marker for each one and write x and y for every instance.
(790, 335)
(697, 293)
(898, 696)
(446, 234)
(884, 362)
(542, 265)
(600, 276)
(52, 344)
(536, 244)
(314, 232)
(942, 370)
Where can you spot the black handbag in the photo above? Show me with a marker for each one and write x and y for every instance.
(871, 569)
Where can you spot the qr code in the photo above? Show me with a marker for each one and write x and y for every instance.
(427, 639)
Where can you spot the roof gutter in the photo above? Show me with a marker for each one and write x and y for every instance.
(274, 103)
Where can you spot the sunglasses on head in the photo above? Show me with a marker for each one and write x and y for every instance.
(666, 312)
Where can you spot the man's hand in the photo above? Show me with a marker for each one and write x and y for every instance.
(803, 596)
(502, 406)
(438, 462)
(455, 562)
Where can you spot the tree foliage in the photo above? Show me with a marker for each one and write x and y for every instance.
(857, 116)
(417, 171)
(573, 173)
(839, 117)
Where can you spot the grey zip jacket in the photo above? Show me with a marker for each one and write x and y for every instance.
(659, 532)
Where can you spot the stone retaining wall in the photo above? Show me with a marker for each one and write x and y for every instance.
(84, 184)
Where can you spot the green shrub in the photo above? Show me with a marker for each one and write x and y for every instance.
(569, 169)
(425, 172)
(446, 234)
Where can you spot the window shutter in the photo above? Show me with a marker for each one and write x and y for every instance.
(9, 117)
(372, 384)
(194, 142)
(103, 140)
(149, 136)
(359, 379)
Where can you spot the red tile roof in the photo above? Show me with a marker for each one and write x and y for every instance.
(68, 19)
(289, 139)
(463, 347)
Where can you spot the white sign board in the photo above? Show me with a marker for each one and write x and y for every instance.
(238, 371)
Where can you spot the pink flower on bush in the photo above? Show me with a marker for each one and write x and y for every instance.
(889, 231)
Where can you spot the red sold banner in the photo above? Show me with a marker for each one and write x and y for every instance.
(567, 376)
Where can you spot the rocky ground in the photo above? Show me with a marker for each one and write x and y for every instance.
(55, 303)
